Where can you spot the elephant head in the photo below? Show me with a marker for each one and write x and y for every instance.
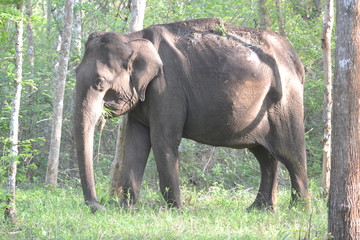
(114, 73)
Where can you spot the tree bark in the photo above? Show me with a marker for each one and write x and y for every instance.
(264, 15)
(77, 31)
(76, 53)
(317, 6)
(10, 210)
(53, 161)
(136, 24)
(137, 15)
(49, 10)
(30, 36)
(58, 18)
(280, 18)
(344, 198)
(326, 47)
(116, 166)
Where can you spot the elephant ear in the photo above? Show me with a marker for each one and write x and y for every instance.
(144, 65)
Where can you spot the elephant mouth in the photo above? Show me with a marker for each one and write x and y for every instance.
(110, 111)
(117, 104)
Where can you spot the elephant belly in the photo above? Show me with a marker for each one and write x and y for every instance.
(235, 124)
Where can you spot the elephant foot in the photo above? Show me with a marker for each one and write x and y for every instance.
(300, 202)
(126, 204)
(173, 204)
(262, 204)
(127, 201)
(95, 206)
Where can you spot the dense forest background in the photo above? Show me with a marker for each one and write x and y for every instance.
(202, 166)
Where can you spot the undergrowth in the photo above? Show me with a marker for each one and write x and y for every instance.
(215, 213)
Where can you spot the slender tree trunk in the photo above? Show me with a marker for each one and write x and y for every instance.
(301, 7)
(264, 15)
(30, 36)
(137, 15)
(116, 166)
(280, 17)
(53, 161)
(30, 47)
(344, 197)
(49, 12)
(77, 31)
(76, 53)
(58, 18)
(317, 6)
(136, 24)
(326, 47)
(10, 210)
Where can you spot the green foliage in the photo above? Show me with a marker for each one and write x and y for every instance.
(175, 10)
(107, 112)
(10, 2)
(8, 12)
(203, 166)
(26, 166)
(221, 29)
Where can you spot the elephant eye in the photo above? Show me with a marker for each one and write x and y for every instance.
(100, 83)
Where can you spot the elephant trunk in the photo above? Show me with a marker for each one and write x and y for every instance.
(87, 113)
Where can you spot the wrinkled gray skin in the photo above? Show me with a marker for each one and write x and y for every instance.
(205, 80)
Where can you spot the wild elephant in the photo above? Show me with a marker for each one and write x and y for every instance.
(203, 79)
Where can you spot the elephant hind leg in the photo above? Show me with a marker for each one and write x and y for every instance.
(299, 184)
(291, 152)
(266, 197)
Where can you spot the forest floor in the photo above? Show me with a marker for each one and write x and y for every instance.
(216, 213)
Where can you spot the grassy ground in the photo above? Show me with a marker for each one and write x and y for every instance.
(213, 214)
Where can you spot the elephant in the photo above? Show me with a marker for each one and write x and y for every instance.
(203, 79)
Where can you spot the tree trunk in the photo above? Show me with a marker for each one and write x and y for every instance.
(137, 15)
(76, 53)
(53, 161)
(30, 36)
(58, 18)
(344, 199)
(49, 10)
(77, 30)
(280, 18)
(116, 166)
(326, 47)
(264, 15)
(136, 24)
(10, 210)
(317, 6)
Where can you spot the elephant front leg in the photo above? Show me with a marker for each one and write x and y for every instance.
(168, 168)
(137, 149)
(167, 163)
(266, 197)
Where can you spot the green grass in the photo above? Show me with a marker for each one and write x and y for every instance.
(213, 214)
